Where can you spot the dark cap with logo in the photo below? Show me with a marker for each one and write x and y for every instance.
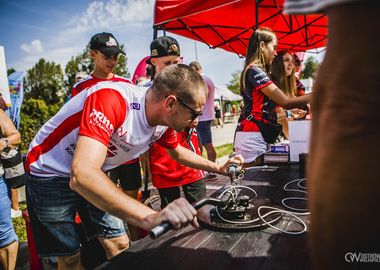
(296, 59)
(163, 46)
(106, 43)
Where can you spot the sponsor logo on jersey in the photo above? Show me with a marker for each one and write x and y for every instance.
(70, 149)
(127, 138)
(156, 135)
(111, 42)
(135, 106)
(111, 150)
(262, 81)
(257, 75)
(100, 120)
(120, 145)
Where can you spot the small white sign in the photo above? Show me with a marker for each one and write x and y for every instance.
(299, 136)
(4, 86)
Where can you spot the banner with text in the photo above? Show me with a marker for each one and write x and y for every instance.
(16, 91)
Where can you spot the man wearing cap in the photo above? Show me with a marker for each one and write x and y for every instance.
(297, 63)
(300, 87)
(164, 51)
(101, 128)
(105, 50)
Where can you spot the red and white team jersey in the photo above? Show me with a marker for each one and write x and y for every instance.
(111, 112)
(90, 81)
(168, 173)
(256, 103)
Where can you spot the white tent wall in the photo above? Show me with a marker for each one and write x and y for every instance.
(225, 93)
(222, 93)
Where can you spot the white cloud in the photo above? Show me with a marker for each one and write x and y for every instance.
(129, 20)
(34, 47)
(105, 16)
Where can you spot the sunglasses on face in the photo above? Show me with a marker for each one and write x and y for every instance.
(195, 113)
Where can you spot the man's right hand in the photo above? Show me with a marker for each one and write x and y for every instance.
(179, 214)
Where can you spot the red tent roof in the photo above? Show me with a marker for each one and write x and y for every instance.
(228, 24)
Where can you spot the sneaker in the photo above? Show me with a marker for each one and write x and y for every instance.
(15, 214)
(211, 176)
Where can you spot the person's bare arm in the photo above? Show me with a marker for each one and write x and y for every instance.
(275, 94)
(90, 182)
(9, 132)
(190, 159)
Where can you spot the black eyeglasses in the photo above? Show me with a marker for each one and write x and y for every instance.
(195, 113)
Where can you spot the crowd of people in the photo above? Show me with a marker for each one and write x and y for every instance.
(106, 123)
(86, 159)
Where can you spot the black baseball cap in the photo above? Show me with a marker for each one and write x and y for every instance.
(106, 43)
(163, 46)
(296, 59)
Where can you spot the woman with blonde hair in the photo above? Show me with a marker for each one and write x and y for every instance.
(283, 75)
(258, 121)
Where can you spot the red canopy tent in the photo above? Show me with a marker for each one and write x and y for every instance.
(228, 24)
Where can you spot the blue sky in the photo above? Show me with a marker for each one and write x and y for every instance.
(58, 30)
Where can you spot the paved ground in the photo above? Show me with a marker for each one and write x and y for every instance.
(221, 136)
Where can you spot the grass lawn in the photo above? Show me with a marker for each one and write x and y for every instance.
(221, 150)
(19, 225)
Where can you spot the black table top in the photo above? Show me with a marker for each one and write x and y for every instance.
(201, 248)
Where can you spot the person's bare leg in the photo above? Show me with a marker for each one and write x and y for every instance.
(145, 165)
(14, 200)
(211, 154)
(342, 170)
(8, 255)
(113, 246)
(133, 230)
(258, 161)
(73, 262)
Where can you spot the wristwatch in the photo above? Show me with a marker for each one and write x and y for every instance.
(6, 142)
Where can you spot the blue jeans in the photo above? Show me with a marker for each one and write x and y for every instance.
(7, 233)
(52, 207)
(204, 132)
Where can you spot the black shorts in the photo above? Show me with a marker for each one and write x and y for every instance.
(192, 191)
(128, 176)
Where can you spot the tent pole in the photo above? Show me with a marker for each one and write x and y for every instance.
(257, 13)
(155, 31)
(153, 69)
(221, 109)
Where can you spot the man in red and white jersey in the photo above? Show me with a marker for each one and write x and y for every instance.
(105, 57)
(101, 128)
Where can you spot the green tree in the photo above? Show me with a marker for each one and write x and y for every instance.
(34, 113)
(234, 84)
(81, 63)
(309, 69)
(45, 81)
(121, 66)
(10, 71)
